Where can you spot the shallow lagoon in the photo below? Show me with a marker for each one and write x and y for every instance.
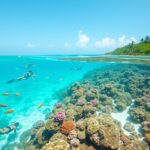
(51, 76)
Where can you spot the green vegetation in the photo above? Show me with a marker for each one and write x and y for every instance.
(141, 48)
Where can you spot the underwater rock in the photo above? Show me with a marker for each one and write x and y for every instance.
(41, 136)
(67, 126)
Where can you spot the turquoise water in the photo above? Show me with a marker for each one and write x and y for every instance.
(50, 76)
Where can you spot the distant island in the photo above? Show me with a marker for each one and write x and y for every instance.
(135, 52)
(141, 48)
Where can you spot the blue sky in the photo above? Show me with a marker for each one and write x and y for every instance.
(29, 27)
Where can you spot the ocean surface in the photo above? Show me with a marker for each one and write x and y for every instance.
(50, 76)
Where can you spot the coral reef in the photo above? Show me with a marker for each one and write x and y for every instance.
(82, 120)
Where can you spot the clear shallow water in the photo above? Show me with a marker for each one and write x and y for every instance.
(51, 76)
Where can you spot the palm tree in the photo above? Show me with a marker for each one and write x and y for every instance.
(147, 39)
(142, 40)
(132, 43)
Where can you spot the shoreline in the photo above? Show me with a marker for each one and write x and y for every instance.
(112, 58)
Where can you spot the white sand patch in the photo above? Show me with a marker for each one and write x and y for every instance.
(122, 118)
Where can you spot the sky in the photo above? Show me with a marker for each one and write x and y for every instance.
(45, 27)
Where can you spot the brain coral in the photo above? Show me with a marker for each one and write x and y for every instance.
(67, 126)
(58, 144)
(92, 126)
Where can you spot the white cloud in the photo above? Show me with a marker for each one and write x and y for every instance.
(105, 43)
(83, 39)
(133, 39)
(30, 45)
(123, 40)
(67, 45)
(112, 43)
